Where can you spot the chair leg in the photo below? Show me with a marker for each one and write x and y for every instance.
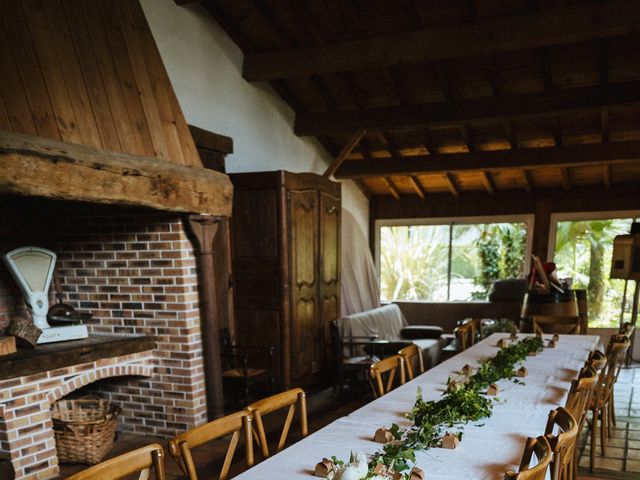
(603, 430)
(594, 432)
(612, 404)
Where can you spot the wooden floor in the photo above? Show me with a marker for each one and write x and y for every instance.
(621, 463)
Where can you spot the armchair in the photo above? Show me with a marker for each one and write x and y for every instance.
(243, 367)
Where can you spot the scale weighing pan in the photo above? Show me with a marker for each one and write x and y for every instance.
(32, 268)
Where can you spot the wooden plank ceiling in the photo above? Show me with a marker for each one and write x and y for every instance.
(454, 95)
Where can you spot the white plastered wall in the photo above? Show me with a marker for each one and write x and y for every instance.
(205, 67)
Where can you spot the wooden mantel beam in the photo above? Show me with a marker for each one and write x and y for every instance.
(487, 109)
(553, 26)
(52, 169)
(563, 156)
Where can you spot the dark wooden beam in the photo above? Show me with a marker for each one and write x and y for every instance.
(417, 186)
(391, 187)
(606, 176)
(528, 183)
(487, 181)
(345, 152)
(560, 25)
(564, 156)
(487, 109)
(566, 178)
(47, 168)
(451, 183)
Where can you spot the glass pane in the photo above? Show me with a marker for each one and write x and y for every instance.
(413, 262)
(483, 253)
(583, 252)
(34, 267)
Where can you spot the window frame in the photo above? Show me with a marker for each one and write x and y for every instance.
(582, 216)
(526, 218)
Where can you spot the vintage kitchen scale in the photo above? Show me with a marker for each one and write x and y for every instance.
(32, 268)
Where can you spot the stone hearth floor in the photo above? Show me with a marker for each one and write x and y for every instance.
(621, 463)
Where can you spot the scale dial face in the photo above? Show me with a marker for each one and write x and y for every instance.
(34, 266)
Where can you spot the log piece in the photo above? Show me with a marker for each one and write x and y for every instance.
(7, 345)
(42, 167)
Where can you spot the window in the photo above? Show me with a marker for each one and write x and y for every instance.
(454, 260)
(582, 245)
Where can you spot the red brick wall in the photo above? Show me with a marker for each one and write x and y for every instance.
(135, 271)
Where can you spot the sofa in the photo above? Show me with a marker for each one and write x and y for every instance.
(388, 323)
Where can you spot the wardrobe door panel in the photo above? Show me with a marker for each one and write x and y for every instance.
(303, 214)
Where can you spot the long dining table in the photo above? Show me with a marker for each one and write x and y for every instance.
(488, 448)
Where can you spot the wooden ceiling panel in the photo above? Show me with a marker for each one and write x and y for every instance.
(575, 65)
(624, 58)
(625, 174)
(515, 74)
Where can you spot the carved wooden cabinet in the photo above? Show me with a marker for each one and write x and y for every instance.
(286, 264)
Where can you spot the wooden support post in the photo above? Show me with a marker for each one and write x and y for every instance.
(344, 153)
(204, 229)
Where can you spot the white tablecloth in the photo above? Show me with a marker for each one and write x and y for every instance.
(487, 449)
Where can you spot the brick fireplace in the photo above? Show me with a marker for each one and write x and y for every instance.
(133, 269)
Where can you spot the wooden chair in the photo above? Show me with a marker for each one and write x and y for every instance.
(181, 445)
(540, 446)
(599, 406)
(626, 331)
(351, 362)
(552, 324)
(562, 433)
(597, 360)
(465, 335)
(276, 402)
(243, 367)
(578, 400)
(412, 355)
(388, 367)
(139, 461)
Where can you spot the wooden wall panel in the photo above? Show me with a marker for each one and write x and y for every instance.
(89, 72)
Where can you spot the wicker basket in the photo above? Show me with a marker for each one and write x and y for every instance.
(84, 429)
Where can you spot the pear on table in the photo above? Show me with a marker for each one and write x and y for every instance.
(493, 390)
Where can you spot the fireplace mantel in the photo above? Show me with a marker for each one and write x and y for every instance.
(52, 356)
(42, 167)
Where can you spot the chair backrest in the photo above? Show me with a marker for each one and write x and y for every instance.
(139, 461)
(616, 355)
(181, 445)
(597, 360)
(556, 324)
(390, 368)
(276, 402)
(562, 433)
(540, 446)
(465, 335)
(410, 354)
(581, 392)
(627, 329)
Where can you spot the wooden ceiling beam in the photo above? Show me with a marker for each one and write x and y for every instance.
(564, 156)
(417, 186)
(391, 187)
(344, 153)
(528, 183)
(452, 184)
(487, 181)
(606, 176)
(486, 109)
(566, 178)
(554, 26)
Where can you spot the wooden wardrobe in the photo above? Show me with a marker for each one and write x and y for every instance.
(286, 264)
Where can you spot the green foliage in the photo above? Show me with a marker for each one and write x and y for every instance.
(583, 251)
(501, 252)
(467, 403)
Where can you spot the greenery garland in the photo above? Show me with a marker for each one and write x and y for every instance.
(462, 403)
